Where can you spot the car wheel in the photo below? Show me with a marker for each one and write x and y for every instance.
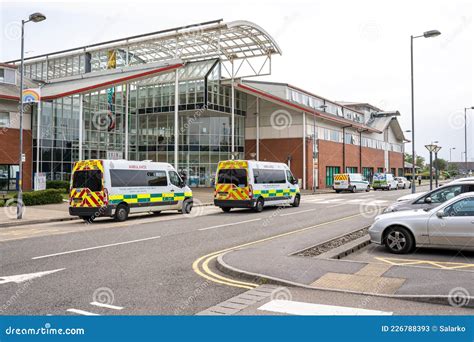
(259, 205)
(338, 191)
(187, 206)
(121, 213)
(354, 189)
(296, 201)
(89, 219)
(399, 240)
(156, 212)
(226, 209)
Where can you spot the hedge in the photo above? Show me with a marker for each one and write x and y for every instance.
(47, 196)
(58, 184)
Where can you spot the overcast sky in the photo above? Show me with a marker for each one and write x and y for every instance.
(343, 50)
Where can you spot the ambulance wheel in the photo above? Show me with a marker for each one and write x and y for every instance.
(121, 213)
(338, 191)
(368, 189)
(354, 189)
(226, 209)
(88, 218)
(259, 205)
(296, 201)
(187, 206)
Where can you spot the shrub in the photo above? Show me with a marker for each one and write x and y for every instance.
(57, 184)
(47, 196)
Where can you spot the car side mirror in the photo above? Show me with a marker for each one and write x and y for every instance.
(294, 181)
(182, 184)
(428, 200)
(440, 214)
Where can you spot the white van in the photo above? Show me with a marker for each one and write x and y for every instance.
(254, 184)
(116, 188)
(350, 182)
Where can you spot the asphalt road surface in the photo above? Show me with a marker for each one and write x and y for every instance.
(154, 264)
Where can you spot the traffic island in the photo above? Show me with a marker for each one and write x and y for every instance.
(336, 266)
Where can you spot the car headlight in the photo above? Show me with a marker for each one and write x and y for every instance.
(390, 209)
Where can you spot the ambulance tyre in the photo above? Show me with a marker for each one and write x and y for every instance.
(368, 188)
(226, 209)
(354, 189)
(296, 201)
(259, 205)
(338, 191)
(121, 213)
(187, 206)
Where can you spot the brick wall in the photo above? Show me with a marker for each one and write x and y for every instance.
(330, 154)
(9, 152)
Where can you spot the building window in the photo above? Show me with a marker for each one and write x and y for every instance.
(7, 76)
(393, 171)
(8, 174)
(380, 170)
(368, 173)
(330, 172)
(400, 172)
(4, 119)
(351, 169)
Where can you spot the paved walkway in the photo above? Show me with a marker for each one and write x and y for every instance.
(59, 212)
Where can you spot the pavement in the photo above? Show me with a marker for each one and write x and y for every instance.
(165, 264)
(60, 211)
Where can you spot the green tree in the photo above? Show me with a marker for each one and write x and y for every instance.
(440, 164)
(420, 161)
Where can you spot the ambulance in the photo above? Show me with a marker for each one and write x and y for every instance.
(254, 184)
(350, 182)
(116, 188)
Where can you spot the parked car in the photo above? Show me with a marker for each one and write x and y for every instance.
(450, 224)
(384, 181)
(432, 198)
(403, 183)
(350, 182)
(410, 196)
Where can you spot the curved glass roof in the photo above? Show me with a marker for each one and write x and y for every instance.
(214, 39)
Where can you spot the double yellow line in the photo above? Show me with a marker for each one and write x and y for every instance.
(201, 264)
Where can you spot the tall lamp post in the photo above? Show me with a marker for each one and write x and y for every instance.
(450, 150)
(431, 148)
(35, 18)
(427, 34)
(437, 149)
(465, 136)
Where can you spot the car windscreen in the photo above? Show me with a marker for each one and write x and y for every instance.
(238, 177)
(91, 179)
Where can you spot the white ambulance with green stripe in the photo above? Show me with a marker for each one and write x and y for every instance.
(127, 187)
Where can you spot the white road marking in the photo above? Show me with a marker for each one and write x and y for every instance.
(108, 306)
(229, 224)
(20, 278)
(82, 312)
(311, 309)
(96, 247)
(297, 212)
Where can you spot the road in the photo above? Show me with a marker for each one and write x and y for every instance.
(157, 265)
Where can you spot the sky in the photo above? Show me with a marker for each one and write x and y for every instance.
(342, 50)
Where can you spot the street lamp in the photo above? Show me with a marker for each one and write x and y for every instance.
(431, 148)
(465, 134)
(437, 149)
(450, 150)
(427, 34)
(36, 18)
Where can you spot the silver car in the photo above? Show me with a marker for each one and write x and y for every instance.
(449, 225)
(431, 199)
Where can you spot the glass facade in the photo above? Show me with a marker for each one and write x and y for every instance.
(204, 124)
(8, 177)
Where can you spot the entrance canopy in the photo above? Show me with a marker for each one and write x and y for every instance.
(214, 39)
